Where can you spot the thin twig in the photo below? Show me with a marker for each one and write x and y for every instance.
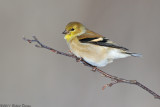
(113, 78)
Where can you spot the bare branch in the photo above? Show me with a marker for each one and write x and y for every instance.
(114, 79)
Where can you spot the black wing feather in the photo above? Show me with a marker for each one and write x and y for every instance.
(103, 42)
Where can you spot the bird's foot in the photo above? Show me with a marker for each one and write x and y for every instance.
(79, 59)
(70, 52)
(94, 68)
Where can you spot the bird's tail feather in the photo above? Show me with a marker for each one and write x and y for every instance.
(134, 54)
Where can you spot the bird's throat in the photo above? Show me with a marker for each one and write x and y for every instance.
(68, 37)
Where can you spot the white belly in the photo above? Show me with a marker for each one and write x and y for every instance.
(110, 56)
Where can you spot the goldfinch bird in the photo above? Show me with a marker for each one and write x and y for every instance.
(92, 47)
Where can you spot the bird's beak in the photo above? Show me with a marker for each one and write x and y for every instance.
(65, 32)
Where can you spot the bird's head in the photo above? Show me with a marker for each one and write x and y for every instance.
(73, 29)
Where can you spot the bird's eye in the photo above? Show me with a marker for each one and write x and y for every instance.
(72, 29)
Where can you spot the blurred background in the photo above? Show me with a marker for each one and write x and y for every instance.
(40, 78)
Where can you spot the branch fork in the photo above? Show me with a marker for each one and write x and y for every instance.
(114, 79)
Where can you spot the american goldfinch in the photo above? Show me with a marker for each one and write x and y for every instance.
(92, 47)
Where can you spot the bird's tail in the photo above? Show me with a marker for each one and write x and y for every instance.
(134, 54)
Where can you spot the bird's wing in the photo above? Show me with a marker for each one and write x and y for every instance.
(94, 38)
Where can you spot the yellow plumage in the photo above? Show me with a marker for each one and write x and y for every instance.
(92, 47)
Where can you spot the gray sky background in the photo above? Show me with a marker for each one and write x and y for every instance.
(39, 78)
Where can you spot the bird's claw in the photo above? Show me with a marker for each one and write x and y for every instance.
(94, 69)
(70, 52)
(78, 59)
